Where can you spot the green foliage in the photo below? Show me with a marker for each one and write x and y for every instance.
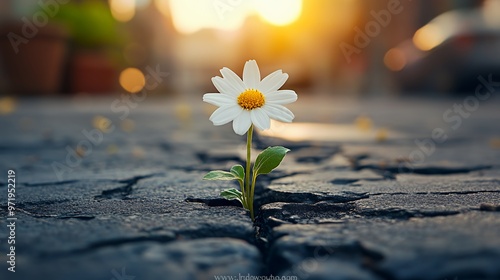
(266, 162)
(90, 24)
(239, 172)
(232, 194)
(220, 175)
(269, 159)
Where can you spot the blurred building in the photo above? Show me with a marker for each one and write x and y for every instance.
(327, 46)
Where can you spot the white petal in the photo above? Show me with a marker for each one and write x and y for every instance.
(278, 112)
(223, 87)
(251, 74)
(273, 81)
(219, 99)
(281, 97)
(225, 114)
(242, 122)
(233, 79)
(260, 119)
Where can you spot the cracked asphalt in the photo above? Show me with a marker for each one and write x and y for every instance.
(131, 203)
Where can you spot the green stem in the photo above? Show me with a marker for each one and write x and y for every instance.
(244, 199)
(247, 173)
(252, 190)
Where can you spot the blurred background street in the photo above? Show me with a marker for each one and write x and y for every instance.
(337, 47)
(394, 169)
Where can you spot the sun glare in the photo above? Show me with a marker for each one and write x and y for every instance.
(279, 12)
(190, 16)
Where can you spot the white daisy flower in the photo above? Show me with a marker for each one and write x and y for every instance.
(250, 101)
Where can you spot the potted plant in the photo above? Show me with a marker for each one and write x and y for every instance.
(95, 49)
(32, 51)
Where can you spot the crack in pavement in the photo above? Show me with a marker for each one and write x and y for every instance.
(403, 214)
(63, 217)
(434, 193)
(124, 191)
(214, 202)
(283, 255)
(57, 183)
(273, 196)
(424, 170)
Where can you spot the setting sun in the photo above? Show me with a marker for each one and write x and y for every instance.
(279, 12)
(190, 16)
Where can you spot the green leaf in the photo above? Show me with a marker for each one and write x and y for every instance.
(220, 175)
(269, 159)
(239, 172)
(232, 194)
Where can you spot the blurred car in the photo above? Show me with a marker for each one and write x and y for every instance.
(450, 52)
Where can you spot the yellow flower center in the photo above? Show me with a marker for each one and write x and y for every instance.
(251, 99)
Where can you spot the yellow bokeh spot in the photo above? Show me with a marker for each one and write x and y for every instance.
(364, 123)
(102, 123)
(163, 6)
(183, 112)
(132, 80)
(80, 152)
(428, 37)
(7, 105)
(382, 135)
(279, 12)
(395, 59)
(122, 10)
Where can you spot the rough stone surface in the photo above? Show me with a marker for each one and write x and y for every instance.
(463, 246)
(182, 259)
(363, 208)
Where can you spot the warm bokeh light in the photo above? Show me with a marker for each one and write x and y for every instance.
(190, 16)
(364, 123)
(103, 124)
(163, 6)
(142, 3)
(279, 12)
(327, 132)
(382, 134)
(132, 80)
(122, 10)
(7, 105)
(492, 13)
(428, 37)
(395, 59)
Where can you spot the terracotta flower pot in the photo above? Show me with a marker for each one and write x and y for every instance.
(92, 72)
(33, 65)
